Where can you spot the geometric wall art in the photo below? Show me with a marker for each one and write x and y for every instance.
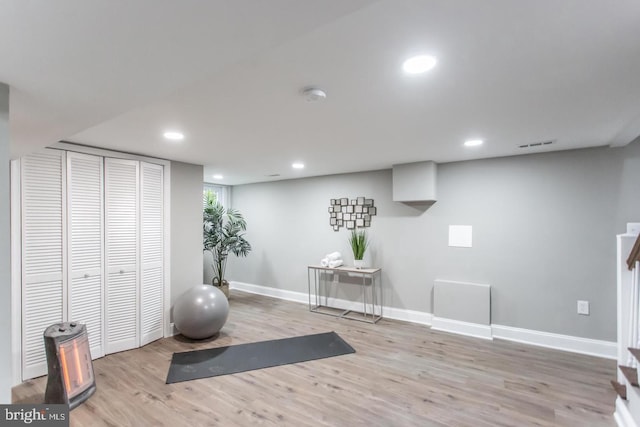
(351, 213)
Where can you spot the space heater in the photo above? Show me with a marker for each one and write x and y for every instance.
(70, 379)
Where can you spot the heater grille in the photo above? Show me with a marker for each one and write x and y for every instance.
(75, 362)
(70, 378)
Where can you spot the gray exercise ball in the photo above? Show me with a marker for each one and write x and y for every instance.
(201, 312)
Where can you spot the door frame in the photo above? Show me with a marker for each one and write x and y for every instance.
(16, 244)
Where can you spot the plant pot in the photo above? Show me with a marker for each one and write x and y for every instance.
(224, 287)
(358, 263)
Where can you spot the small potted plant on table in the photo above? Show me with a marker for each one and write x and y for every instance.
(359, 242)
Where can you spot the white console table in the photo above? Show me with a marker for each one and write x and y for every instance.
(319, 280)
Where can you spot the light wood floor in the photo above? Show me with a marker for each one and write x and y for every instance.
(402, 374)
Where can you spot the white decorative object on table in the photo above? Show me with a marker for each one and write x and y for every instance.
(334, 259)
(334, 256)
(336, 263)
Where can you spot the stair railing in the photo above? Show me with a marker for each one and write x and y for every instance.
(633, 264)
(634, 338)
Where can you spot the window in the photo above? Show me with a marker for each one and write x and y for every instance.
(221, 192)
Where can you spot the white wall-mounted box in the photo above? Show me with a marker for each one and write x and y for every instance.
(462, 308)
(415, 182)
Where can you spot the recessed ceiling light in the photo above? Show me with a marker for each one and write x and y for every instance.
(298, 165)
(473, 142)
(217, 176)
(419, 64)
(174, 136)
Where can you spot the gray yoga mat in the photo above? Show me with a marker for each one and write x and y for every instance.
(211, 362)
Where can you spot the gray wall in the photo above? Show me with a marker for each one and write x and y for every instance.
(629, 194)
(544, 229)
(186, 227)
(5, 251)
(207, 270)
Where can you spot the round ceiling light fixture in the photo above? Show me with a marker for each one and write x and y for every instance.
(419, 64)
(298, 165)
(313, 94)
(174, 136)
(217, 176)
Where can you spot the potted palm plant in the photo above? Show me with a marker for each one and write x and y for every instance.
(223, 233)
(359, 242)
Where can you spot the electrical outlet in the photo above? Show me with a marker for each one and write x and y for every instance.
(583, 307)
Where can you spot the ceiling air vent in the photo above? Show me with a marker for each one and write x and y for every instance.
(537, 144)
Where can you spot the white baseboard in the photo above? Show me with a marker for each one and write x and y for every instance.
(387, 312)
(622, 415)
(463, 328)
(172, 330)
(408, 315)
(605, 349)
(271, 292)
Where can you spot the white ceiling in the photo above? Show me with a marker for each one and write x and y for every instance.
(229, 73)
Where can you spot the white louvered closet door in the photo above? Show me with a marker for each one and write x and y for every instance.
(85, 253)
(43, 258)
(122, 248)
(152, 252)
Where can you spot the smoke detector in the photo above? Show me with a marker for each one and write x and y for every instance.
(313, 94)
